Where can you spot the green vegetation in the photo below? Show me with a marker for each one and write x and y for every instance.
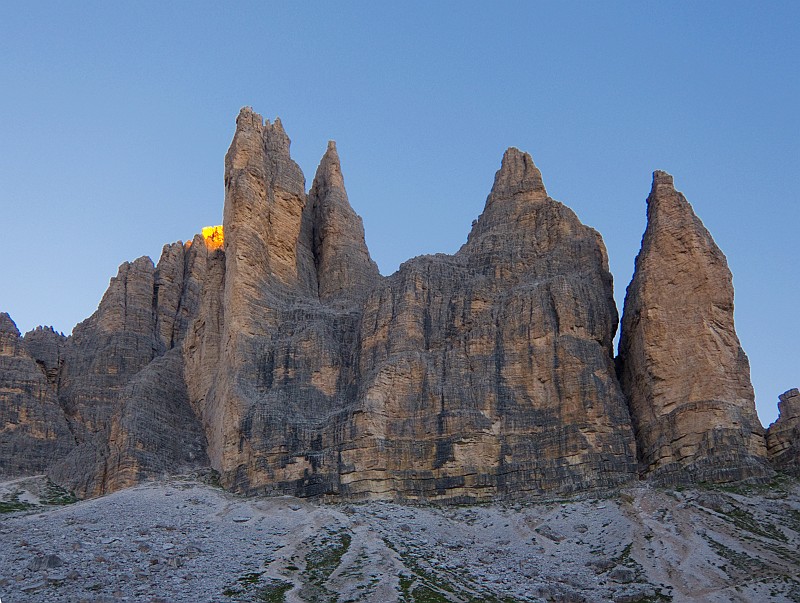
(251, 578)
(55, 495)
(12, 504)
(251, 587)
(424, 594)
(779, 486)
(275, 592)
(744, 520)
(739, 560)
(50, 495)
(425, 586)
(321, 561)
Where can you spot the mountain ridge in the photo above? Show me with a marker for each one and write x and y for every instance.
(273, 350)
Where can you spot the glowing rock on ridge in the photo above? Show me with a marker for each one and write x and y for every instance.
(213, 236)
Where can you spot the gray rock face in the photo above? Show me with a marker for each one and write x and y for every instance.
(33, 430)
(272, 349)
(345, 271)
(487, 373)
(491, 372)
(783, 436)
(682, 367)
(122, 383)
(47, 348)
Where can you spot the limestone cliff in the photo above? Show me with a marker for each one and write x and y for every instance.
(487, 373)
(686, 377)
(273, 350)
(122, 390)
(783, 436)
(33, 429)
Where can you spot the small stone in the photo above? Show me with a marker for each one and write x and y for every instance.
(622, 574)
(550, 533)
(45, 562)
(32, 588)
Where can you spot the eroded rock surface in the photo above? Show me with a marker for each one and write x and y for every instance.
(272, 349)
(121, 383)
(459, 377)
(33, 430)
(783, 436)
(682, 367)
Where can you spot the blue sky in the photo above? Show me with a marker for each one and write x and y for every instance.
(115, 118)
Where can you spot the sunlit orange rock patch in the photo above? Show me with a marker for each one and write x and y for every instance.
(213, 236)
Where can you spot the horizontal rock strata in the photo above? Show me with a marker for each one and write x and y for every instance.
(783, 436)
(271, 348)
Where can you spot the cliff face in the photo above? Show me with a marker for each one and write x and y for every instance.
(783, 436)
(686, 377)
(461, 377)
(272, 349)
(33, 429)
(121, 383)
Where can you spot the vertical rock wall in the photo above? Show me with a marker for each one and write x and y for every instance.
(686, 377)
(33, 430)
(783, 436)
(272, 349)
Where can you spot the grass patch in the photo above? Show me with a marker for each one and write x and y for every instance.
(780, 484)
(427, 587)
(740, 560)
(744, 520)
(11, 504)
(425, 594)
(322, 562)
(55, 495)
(251, 578)
(275, 592)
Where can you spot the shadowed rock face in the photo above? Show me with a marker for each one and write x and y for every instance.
(783, 436)
(121, 384)
(282, 358)
(686, 377)
(33, 429)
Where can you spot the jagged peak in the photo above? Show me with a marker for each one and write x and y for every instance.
(249, 119)
(273, 135)
(7, 324)
(663, 183)
(329, 171)
(517, 175)
(669, 210)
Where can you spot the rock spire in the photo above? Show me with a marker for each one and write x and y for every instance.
(271, 349)
(683, 370)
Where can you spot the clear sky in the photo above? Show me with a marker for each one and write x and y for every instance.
(115, 118)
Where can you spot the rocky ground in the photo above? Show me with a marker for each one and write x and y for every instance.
(185, 540)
